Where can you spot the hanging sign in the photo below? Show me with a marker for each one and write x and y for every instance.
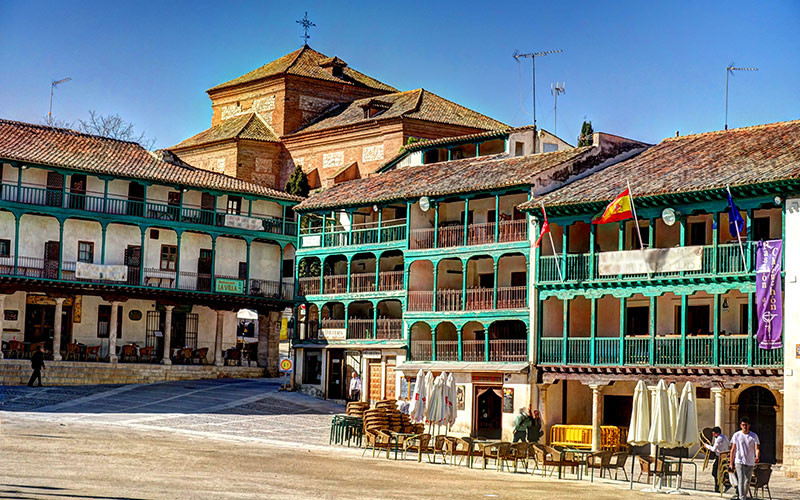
(86, 271)
(769, 296)
(225, 285)
(652, 260)
(243, 222)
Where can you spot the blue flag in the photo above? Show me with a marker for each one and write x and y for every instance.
(734, 217)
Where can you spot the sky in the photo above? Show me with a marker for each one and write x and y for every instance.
(643, 70)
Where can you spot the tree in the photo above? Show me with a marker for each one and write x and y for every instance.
(298, 183)
(115, 127)
(585, 138)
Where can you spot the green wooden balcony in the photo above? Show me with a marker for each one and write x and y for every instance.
(362, 328)
(455, 234)
(497, 350)
(578, 268)
(154, 210)
(471, 299)
(384, 281)
(360, 235)
(668, 350)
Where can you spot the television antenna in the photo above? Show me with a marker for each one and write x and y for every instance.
(53, 85)
(556, 89)
(532, 56)
(729, 72)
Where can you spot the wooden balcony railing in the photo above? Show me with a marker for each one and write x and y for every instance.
(309, 286)
(390, 281)
(508, 350)
(362, 234)
(513, 230)
(334, 284)
(390, 328)
(500, 350)
(480, 234)
(451, 236)
(512, 297)
(663, 350)
(421, 350)
(480, 299)
(447, 350)
(474, 350)
(358, 328)
(362, 282)
(448, 300)
(420, 301)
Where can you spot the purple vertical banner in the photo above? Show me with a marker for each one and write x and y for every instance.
(769, 297)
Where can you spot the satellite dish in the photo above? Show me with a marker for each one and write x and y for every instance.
(669, 216)
(424, 204)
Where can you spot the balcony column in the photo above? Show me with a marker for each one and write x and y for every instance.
(218, 359)
(623, 310)
(460, 343)
(167, 335)
(349, 271)
(105, 196)
(478, 149)
(719, 406)
(350, 231)
(142, 233)
(436, 224)
(112, 331)
(486, 342)
(684, 307)
(103, 228)
(621, 240)
(283, 219)
(322, 238)
(749, 237)
(750, 339)
(597, 413)
(496, 218)
(433, 345)
(592, 253)
(653, 326)
(715, 348)
(281, 269)
(435, 284)
(346, 319)
(682, 227)
(377, 274)
(466, 221)
(321, 274)
(565, 331)
(16, 239)
(374, 321)
(494, 290)
(715, 241)
(593, 330)
(60, 248)
(408, 225)
(249, 243)
(380, 226)
(66, 178)
(56, 328)
(178, 263)
(464, 266)
(564, 249)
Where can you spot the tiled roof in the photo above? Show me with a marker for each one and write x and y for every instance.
(248, 126)
(307, 62)
(712, 160)
(466, 175)
(418, 104)
(58, 147)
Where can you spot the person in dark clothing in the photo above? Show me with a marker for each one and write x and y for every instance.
(37, 363)
(535, 431)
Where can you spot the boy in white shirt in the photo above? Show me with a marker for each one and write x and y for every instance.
(745, 452)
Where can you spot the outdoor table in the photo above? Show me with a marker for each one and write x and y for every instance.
(396, 436)
(669, 463)
(582, 461)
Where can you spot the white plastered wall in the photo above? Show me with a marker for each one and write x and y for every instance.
(791, 337)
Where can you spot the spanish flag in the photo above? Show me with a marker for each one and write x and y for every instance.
(617, 210)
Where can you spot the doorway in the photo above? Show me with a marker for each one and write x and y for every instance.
(39, 321)
(336, 374)
(52, 252)
(133, 259)
(758, 404)
(77, 191)
(488, 419)
(135, 205)
(55, 185)
(204, 270)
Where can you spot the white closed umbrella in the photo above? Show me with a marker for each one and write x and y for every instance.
(416, 409)
(661, 432)
(428, 392)
(436, 404)
(686, 432)
(639, 428)
(674, 401)
(451, 400)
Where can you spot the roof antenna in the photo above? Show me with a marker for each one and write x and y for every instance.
(729, 72)
(555, 89)
(532, 56)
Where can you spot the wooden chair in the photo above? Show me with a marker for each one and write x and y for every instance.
(33, 348)
(760, 480)
(417, 443)
(617, 463)
(73, 352)
(459, 447)
(438, 448)
(200, 355)
(16, 349)
(497, 452)
(233, 356)
(129, 353)
(145, 353)
(93, 350)
(376, 439)
(600, 460)
(183, 356)
(705, 438)
(547, 456)
(518, 452)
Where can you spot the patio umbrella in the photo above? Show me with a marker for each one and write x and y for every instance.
(674, 401)
(639, 429)
(417, 407)
(686, 432)
(661, 433)
(428, 392)
(436, 403)
(451, 400)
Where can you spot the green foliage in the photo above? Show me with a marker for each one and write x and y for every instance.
(585, 139)
(298, 183)
(307, 268)
(409, 142)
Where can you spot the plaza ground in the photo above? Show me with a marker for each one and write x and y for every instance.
(228, 439)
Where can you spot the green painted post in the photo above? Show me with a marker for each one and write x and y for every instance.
(682, 226)
(623, 313)
(64, 197)
(717, 297)
(60, 247)
(247, 269)
(478, 149)
(178, 263)
(539, 325)
(486, 341)
(374, 321)
(408, 225)
(103, 227)
(346, 321)
(460, 345)
(350, 232)
(564, 250)
(433, 345)
(19, 184)
(377, 274)
(214, 261)
(651, 233)
(466, 221)
(249, 206)
(494, 290)
(750, 304)
(653, 327)
(464, 285)
(684, 307)
(143, 232)
(380, 226)
(105, 196)
(747, 246)
(592, 239)
(349, 271)
(449, 154)
(565, 332)
(620, 240)
(436, 225)
(283, 220)
(16, 240)
(435, 284)
(593, 329)
(496, 218)
(322, 241)
(715, 245)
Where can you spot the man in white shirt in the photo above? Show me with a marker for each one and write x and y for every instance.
(720, 445)
(355, 387)
(745, 453)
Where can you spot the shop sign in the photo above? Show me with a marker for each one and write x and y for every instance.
(508, 400)
(333, 333)
(243, 222)
(310, 241)
(372, 354)
(460, 396)
(226, 285)
(86, 271)
(10, 315)
(495, 379)
(651, 260)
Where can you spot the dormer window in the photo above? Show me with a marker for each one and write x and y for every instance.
(374, 108)
(334, 66)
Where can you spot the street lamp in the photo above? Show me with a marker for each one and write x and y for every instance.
(52, 87)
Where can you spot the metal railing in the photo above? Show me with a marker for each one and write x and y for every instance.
(473, 350)
(447, 350)
(512, 297)
(421, 350)
(480, 299)
(508, 350)
(513, 230)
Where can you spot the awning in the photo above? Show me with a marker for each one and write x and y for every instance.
(247, 314)
(463, 367)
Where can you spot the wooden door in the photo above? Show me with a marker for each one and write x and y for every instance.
(39, 320)
(55, 183)
(133, 259)
(52, 252)
(204, 270)
(207, 208)
(390, 381)
(336, 381)
(375, 381)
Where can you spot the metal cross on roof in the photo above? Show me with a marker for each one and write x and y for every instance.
(306, 24)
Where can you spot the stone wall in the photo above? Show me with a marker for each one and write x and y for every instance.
(17, 372)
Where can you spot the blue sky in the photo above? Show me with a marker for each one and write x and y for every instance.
(639, 69)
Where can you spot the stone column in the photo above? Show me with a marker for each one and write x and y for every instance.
(542, 407)
(218, 361)
(719, 406)
(597, 415)
(2, 315)
(167, 336)
(57, 329)
(269, 330)
(112, 332)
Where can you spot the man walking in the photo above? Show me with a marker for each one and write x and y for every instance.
(521, 424)
(535, 431)
(37, 363)
(355, 387)
(745, 453)
(720, 445)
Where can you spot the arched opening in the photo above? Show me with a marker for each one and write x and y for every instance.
(758, 404)
(512, 282)
(473, 340)
(489, 411)
(449, 277)
(308, 270)
(446, 342)
(390, 269)
(308, 319)
(508, 341)
(332, 316)
(421, 342)
(420, 286)
(362, 273)
(360, 320)
(390, 319)
(334, 270)
(480, 283)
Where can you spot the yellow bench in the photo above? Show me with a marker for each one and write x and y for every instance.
(612, 437)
